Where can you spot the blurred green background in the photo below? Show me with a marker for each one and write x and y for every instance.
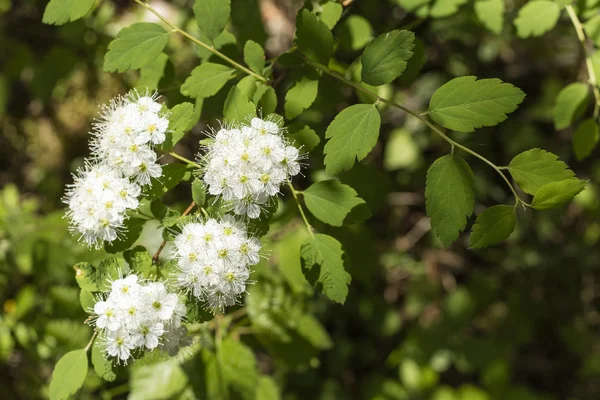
(516, 321)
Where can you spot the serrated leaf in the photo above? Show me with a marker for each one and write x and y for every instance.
(102, 366)
(493, 226)
(333, 202)
(322, 260)
(254, 56)
(450, 196)
(206, 80)
(68, 375)
(300, 96)
(585, 138)
(157, 381)
(179, 122)
(212, 16)
(151, 74)
(385, 58)
(198, 192)
(555, 194)
(132, 230)
(491, 14)
(139, 260)
(536, 18)
(237, 107)
(445, 8)
(303, 137)
(465, 103)
(313, 38)
(135, 47)
(570, 103)
(59, 12)
(86, 298)
(352, 135)
(536, 167)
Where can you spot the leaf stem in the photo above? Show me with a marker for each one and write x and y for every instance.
(87, 347)
(295, 194)
(219, 357)
(421, 118)
(163, 244)
(185, 160)
(588, 57)
(201, 43)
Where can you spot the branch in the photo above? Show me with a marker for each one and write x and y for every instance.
(162, 245)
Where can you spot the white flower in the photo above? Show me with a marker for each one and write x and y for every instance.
(119, 344)
(162, 303)
(148, 334)
(107, 317)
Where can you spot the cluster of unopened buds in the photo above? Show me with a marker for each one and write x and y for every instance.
(137, 315)
(122, 161)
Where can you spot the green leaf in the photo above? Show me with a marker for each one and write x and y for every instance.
(206, 80)
(300, 97)
(536, 18)
(493, 226)
(254, 56)
(135, 47)
(68, 375)
(592, 29)
(86, 298)
(322, 260)
(267, 388)
(268, 101)
(151, 74)
(536, 167)
(352, 135)
(555, 194)
(161, 380)
(354, 33)
(239, 368)
(237, 107)
(445, 8)
(385, 58)
(212, 16)
(139, 260)
(491, 14)
(179, 122)
(585, 138)
(332, 202)
(313, 38)
(303, 137)
(450, 196)
(102, 366)
(172, 174)
(330, 13)
(59, 12)
(133, 230)
(466, 103)
(570, 104)
(198, 192)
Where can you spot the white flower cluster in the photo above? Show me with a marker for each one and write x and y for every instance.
(213, 259)
(123, 160)
(248, 165)
(137, 315)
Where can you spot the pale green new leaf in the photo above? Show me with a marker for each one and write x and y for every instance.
(450, 196)
(412, 5)
(87, 300)
(385, 58)
(536, 167)
(570, 103)
(491, 14)
(536, 18)
(68, 375)
(323, 265)
(330, 13)
(585, 138)
(332, 201)
(59, 12)
(313, 38)
(445, 8)
(254, 56)
(300, 97)
(206, 80)
(212, 16)
(157, 381)
(465, 103)
(180, 120)
(135, 47)
(493, 226)
(267, 388)
(555, 194)
(102, 366)
(151, 74)
(237, 107)
(592, 29)
(354, 33)
(352, 135)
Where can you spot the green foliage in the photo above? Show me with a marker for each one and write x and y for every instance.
(323, 265)
(206, 80)
(465, 103)
(450, 196)
(536, 18)
(198, 192)
(135, 47)
(69, 374)
(555, 194)
(335, 203)
(139, 260)
(102, 366)
(491, 14)
(303, 137)
(313, 38)
(300, 97)
(238, 108)
(59, 12)
(570, 104)
(536, 167)
(133, 228)
(585, 138)
(444, 8)
(493, 225)
(385, 58)
(239, 368)
(151, 74)
(161, 380)
(212, 16)
(172, 174)
(254, 55)
(352, 135)
(180, 120)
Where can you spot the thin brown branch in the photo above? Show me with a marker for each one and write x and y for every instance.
(163, 244)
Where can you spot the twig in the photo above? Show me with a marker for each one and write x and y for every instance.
(162, 245)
